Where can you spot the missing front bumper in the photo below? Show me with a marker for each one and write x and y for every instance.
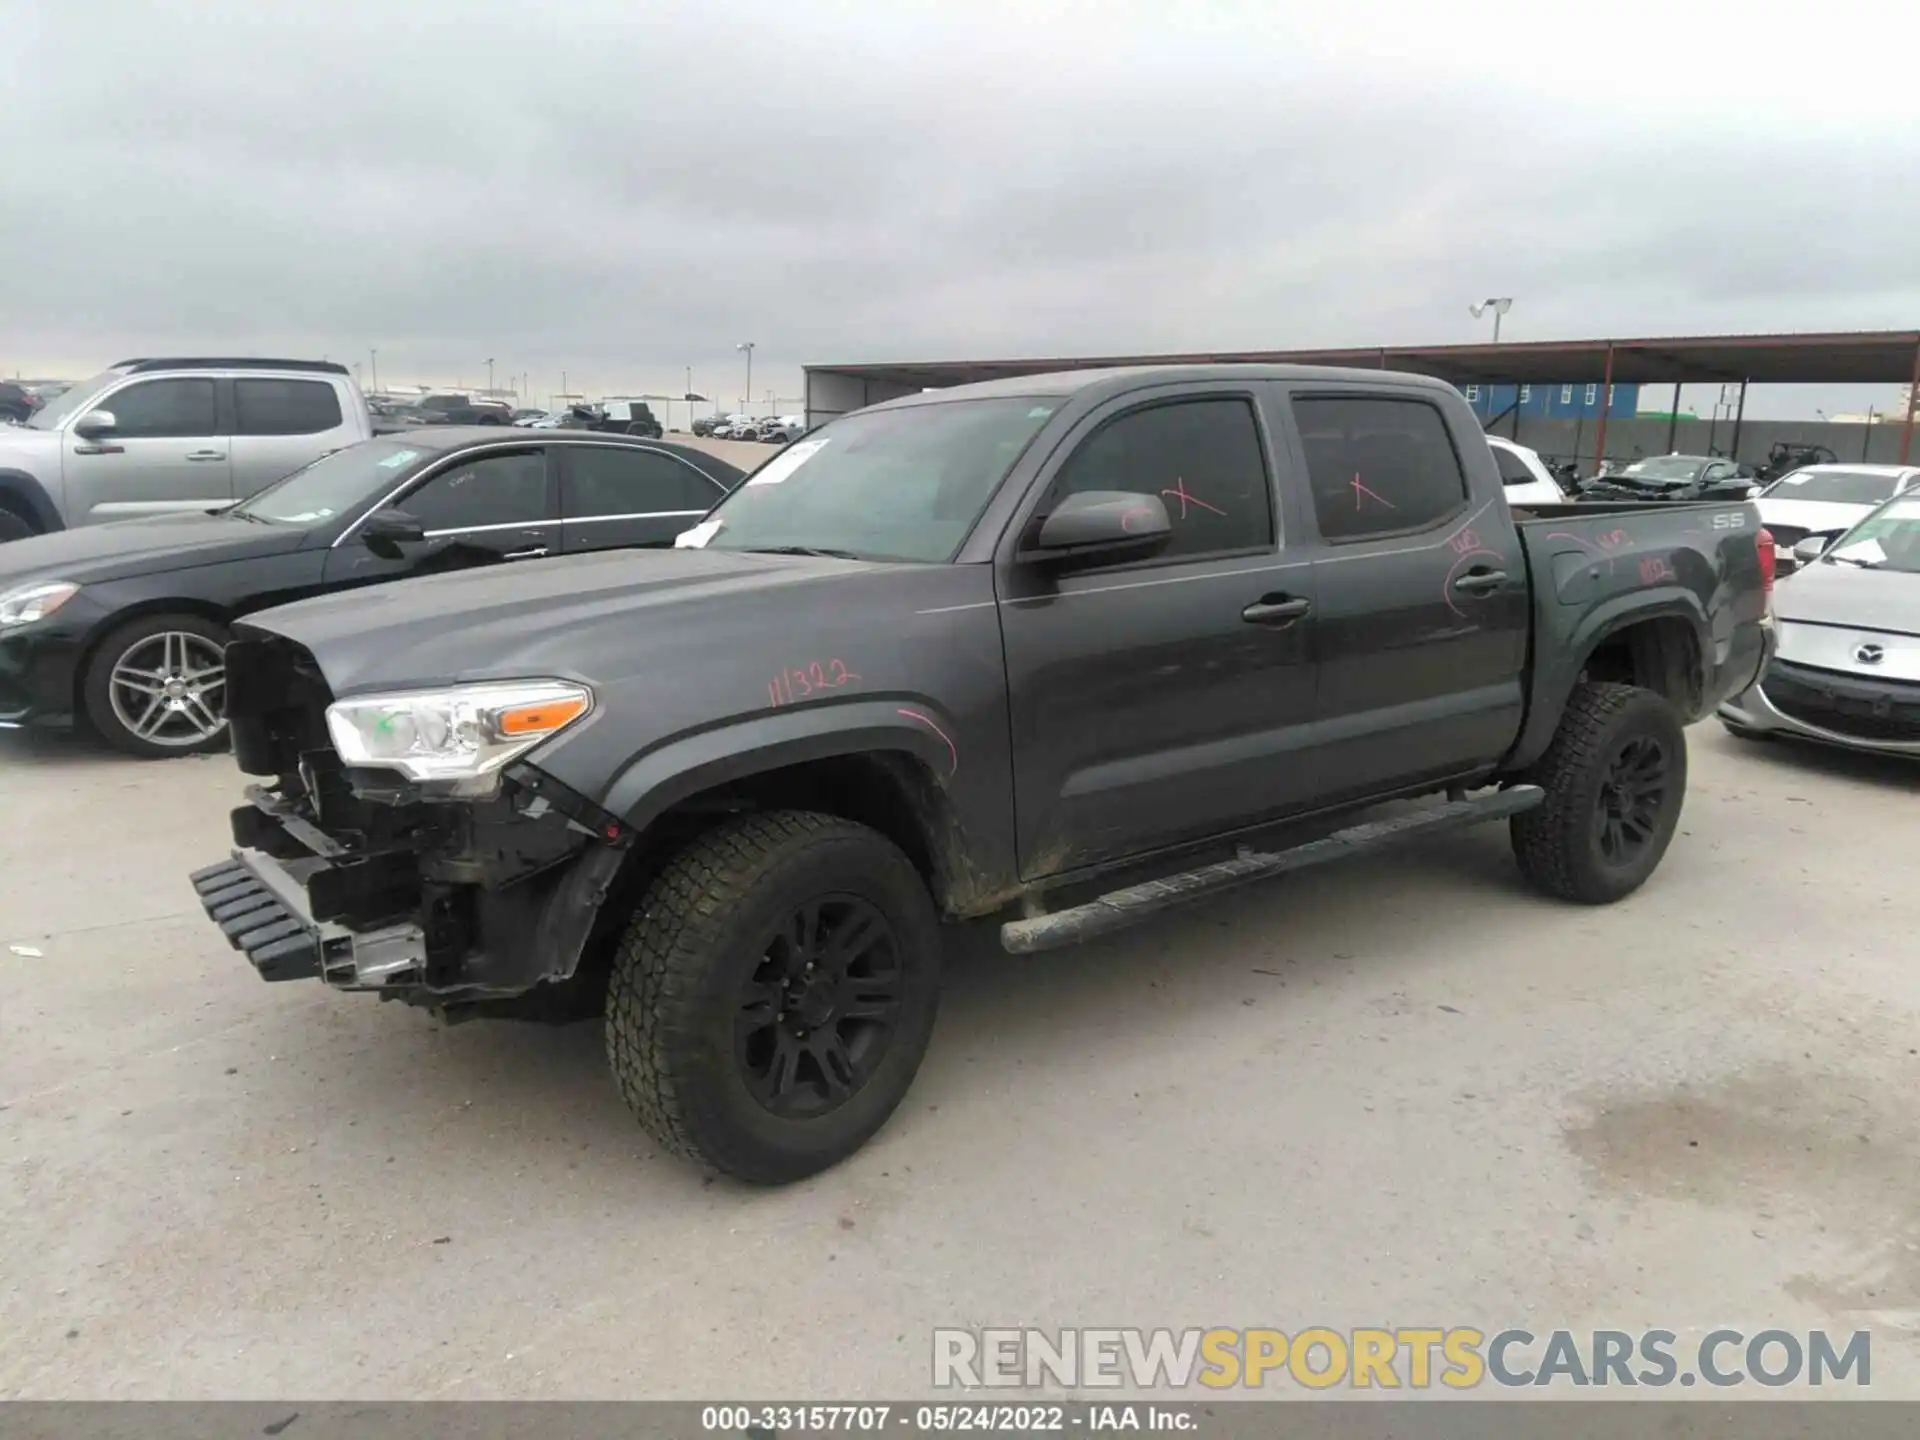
(261, 906)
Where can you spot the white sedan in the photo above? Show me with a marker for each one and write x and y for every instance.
(1824, 500)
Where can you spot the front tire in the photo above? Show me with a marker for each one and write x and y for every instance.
(774, 994)
(14, 526)
(156, 687)
(1615, 777)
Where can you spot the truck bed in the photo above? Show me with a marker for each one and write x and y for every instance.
(1594, 565)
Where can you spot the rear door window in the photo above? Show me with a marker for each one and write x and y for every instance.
(1378, 465)
(605, 481)
(285, 407)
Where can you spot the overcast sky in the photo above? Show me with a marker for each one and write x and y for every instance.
(622, 190)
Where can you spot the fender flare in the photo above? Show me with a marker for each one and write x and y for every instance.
(1553, 687)
(28, 494)
(659, 778)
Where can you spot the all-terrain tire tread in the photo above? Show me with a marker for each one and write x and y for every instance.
(1544, 837)
(657, 967)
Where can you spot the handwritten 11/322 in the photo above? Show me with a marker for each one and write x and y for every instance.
(790, 686)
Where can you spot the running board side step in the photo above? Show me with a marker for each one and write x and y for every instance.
(1121, 908)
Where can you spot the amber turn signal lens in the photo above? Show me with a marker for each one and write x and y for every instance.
(540, 719)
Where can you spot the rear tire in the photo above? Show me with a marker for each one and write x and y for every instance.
(156, 661)
(1615, 777)
(745, 1035)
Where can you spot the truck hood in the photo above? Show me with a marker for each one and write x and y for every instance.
(122, 549)
(585, 617)
(1846, 595)
(1816, 517)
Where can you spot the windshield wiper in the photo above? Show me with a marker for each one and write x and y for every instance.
(798, 550)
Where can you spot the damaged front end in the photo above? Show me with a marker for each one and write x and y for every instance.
(450, 891)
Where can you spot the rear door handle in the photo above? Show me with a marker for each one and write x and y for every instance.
(532, 554)
(206, 454)
(1278, 611)
(1478, 582)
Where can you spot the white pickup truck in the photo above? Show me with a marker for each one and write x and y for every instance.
(151, 436)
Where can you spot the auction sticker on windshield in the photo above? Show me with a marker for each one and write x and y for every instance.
(776, 470)
(397, 459)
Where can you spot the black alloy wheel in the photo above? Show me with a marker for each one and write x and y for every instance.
(1633, 792)
(818, 1012)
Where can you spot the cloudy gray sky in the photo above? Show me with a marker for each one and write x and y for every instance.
(622, 190)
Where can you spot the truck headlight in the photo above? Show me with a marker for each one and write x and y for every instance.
(29, 603)
(460, 733)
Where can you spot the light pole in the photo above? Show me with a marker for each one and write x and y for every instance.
(373, 369)
(747, 398)
(489, 378)
(1499, 305)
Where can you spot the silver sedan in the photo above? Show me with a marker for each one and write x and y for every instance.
(1847, 669)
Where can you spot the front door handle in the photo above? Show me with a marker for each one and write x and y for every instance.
(533, 554)
(1479, 582)
(206, 454)
(1278, 611)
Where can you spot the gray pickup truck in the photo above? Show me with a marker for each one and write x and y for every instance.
(1071, 649)
(150, 437)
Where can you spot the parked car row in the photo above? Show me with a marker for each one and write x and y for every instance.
(614, 417)
(769, 429)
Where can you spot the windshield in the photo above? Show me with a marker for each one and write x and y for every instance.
(882, 485)
(1888, 539)
(334, 485)
(1667, 469)
(1842, 487)
(49, 416)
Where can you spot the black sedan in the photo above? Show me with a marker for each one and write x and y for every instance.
(124, 625)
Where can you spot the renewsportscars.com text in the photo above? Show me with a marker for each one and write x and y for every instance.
(1458, 1358)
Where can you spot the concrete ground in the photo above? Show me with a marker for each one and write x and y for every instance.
(1402, 1092)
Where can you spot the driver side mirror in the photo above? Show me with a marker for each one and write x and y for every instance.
(95, 423)
(385, 531)
(1811, 549)
(1101, 525)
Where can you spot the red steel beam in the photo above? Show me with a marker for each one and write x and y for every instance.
(1913, 395)
(1606, 404)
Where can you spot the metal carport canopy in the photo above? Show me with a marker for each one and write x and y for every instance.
(1864, 357)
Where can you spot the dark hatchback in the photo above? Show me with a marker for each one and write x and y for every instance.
(125, 624)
